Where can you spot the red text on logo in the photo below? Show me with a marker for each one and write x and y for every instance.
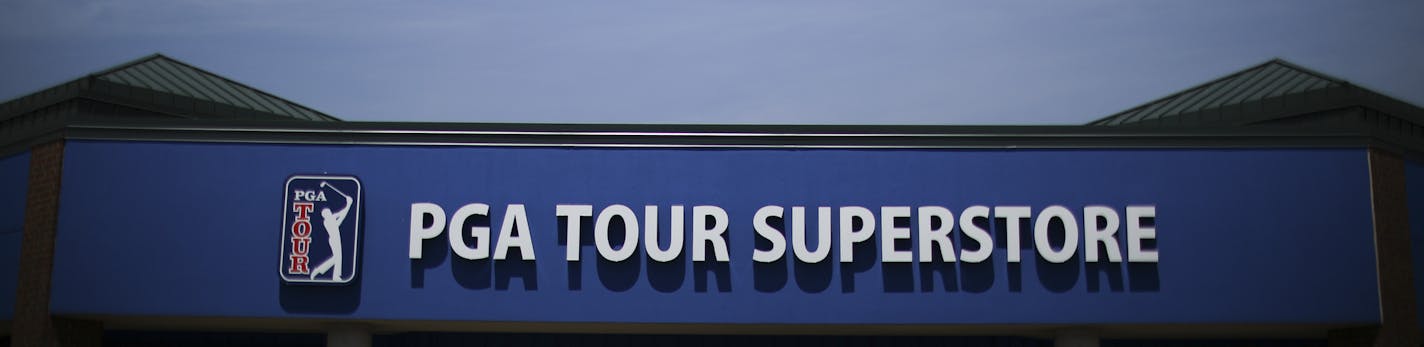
(301, 238)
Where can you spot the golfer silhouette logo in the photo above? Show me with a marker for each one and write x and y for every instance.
(326, 256)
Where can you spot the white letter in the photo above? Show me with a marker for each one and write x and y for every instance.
(650, 218)
(418, 231)
(1070, 234)
(849, 235)
(823, 236)
(929, 236)
(1136, 233)
(481, 234)
(630, 233)
(514, 218)
(778, 242)
(967, 227)
(889, 233)
(574, 213)
(702, 234)
(1012, 214)
(1093, 234)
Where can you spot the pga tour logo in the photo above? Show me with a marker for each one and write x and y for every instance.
(321, 226)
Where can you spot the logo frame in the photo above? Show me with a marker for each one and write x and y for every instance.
(289, 217)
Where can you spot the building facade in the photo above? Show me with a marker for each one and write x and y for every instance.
(156, 203)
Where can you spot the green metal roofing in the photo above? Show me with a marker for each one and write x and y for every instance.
(164, 74)
(1272, 79)
(157, 86)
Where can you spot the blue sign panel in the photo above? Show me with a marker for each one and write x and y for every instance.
(321, 229)
(669, 235)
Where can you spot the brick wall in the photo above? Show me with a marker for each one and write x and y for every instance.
(1391, 219)
(32, 325)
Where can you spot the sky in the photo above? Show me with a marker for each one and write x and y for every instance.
(719, 62)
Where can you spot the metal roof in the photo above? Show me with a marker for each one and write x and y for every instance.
(1273, 79)
(160, 73)
(160, 86)
(159, 99)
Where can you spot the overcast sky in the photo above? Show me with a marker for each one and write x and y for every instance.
(812, 62)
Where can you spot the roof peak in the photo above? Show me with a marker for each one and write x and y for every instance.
(161, 73)
(131, 63)
(159, 85)
(1270, 79)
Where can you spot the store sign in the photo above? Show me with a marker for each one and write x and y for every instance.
(718, 235)
(321, 229)
(931, 230)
